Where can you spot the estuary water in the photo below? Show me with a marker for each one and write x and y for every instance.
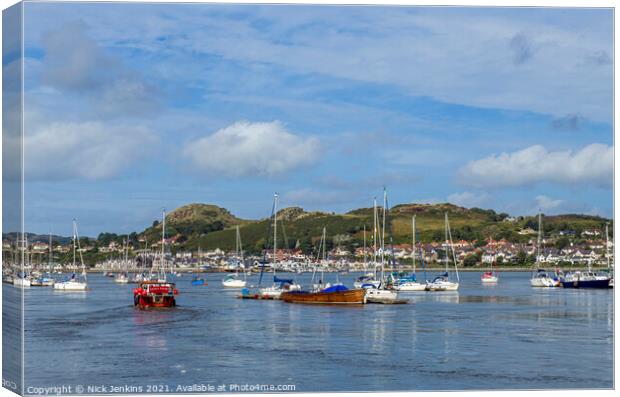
(508, 336)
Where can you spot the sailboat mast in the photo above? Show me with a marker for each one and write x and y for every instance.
(275, 226)
(49, 260)
(383, 230)
(74, 238)
(413, 250)
(374, 235)
(365, 264)
(446, 232)
(607, 245)
(163, 243)
(324, 261)
(539, 242)
(456, 270)
(383, 236)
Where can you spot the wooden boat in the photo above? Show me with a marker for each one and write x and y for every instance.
(155, 294)
(333, 295)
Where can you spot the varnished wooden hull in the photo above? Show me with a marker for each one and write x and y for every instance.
(350, 297)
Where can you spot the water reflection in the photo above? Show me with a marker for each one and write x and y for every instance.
(441, 340)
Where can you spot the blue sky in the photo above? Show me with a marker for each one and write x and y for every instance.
(135, 107)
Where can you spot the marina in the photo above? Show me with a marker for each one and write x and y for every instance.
(213, 337)
(228, 167)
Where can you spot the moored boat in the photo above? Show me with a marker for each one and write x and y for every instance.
(199, 281)
(279, 285)
(489, 278)
(337, 295)
(588, 279)
(233, 281)
(22, 281)
(541, 279)
(410, 283)
(74, 283)
(381, 295)
(443, 282)
(121, 278)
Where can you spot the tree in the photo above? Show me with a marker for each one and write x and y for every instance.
(470, 260)
(521, 258)
(562, 243)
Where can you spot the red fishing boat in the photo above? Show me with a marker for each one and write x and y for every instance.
(155, 294)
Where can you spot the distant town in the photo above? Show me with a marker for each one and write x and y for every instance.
(565, 248)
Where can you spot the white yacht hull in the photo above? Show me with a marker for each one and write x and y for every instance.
(543, 282)
(410, 286)
(21, 282)
(234, 283)
(381, 295)
(71, 286)
(442, 286)
(275, 291)
(489, 280)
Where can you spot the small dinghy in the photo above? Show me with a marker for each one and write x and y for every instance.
(199, 281)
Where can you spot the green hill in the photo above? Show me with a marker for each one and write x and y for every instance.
(208, 226)
(192, 222)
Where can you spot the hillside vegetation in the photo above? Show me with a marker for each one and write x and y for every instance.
(205, 226)
(208, 227)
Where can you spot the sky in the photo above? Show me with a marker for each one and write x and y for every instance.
(131, 108)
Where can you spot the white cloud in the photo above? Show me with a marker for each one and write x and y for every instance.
(89, 150)
(593, 165)
(77, 67)
(550, 61)
(252, 149)
(469, 199)
(546, 204)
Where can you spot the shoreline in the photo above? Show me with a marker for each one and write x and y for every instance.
(428, 269)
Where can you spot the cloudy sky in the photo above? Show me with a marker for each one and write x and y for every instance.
(135, 107)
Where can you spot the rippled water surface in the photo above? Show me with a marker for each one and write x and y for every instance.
(482, 337)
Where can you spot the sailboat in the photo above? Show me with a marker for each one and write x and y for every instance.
(21, 278)
(279, 285)
(140, 275)
(381, 293)
(369, 279)
(74, 283)
(443, 282)
(609, 266)
(410, 283)
(122, 277)
(157, 292)
(233, 280)
(47, 280)
(490, 277)
(540, 278)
